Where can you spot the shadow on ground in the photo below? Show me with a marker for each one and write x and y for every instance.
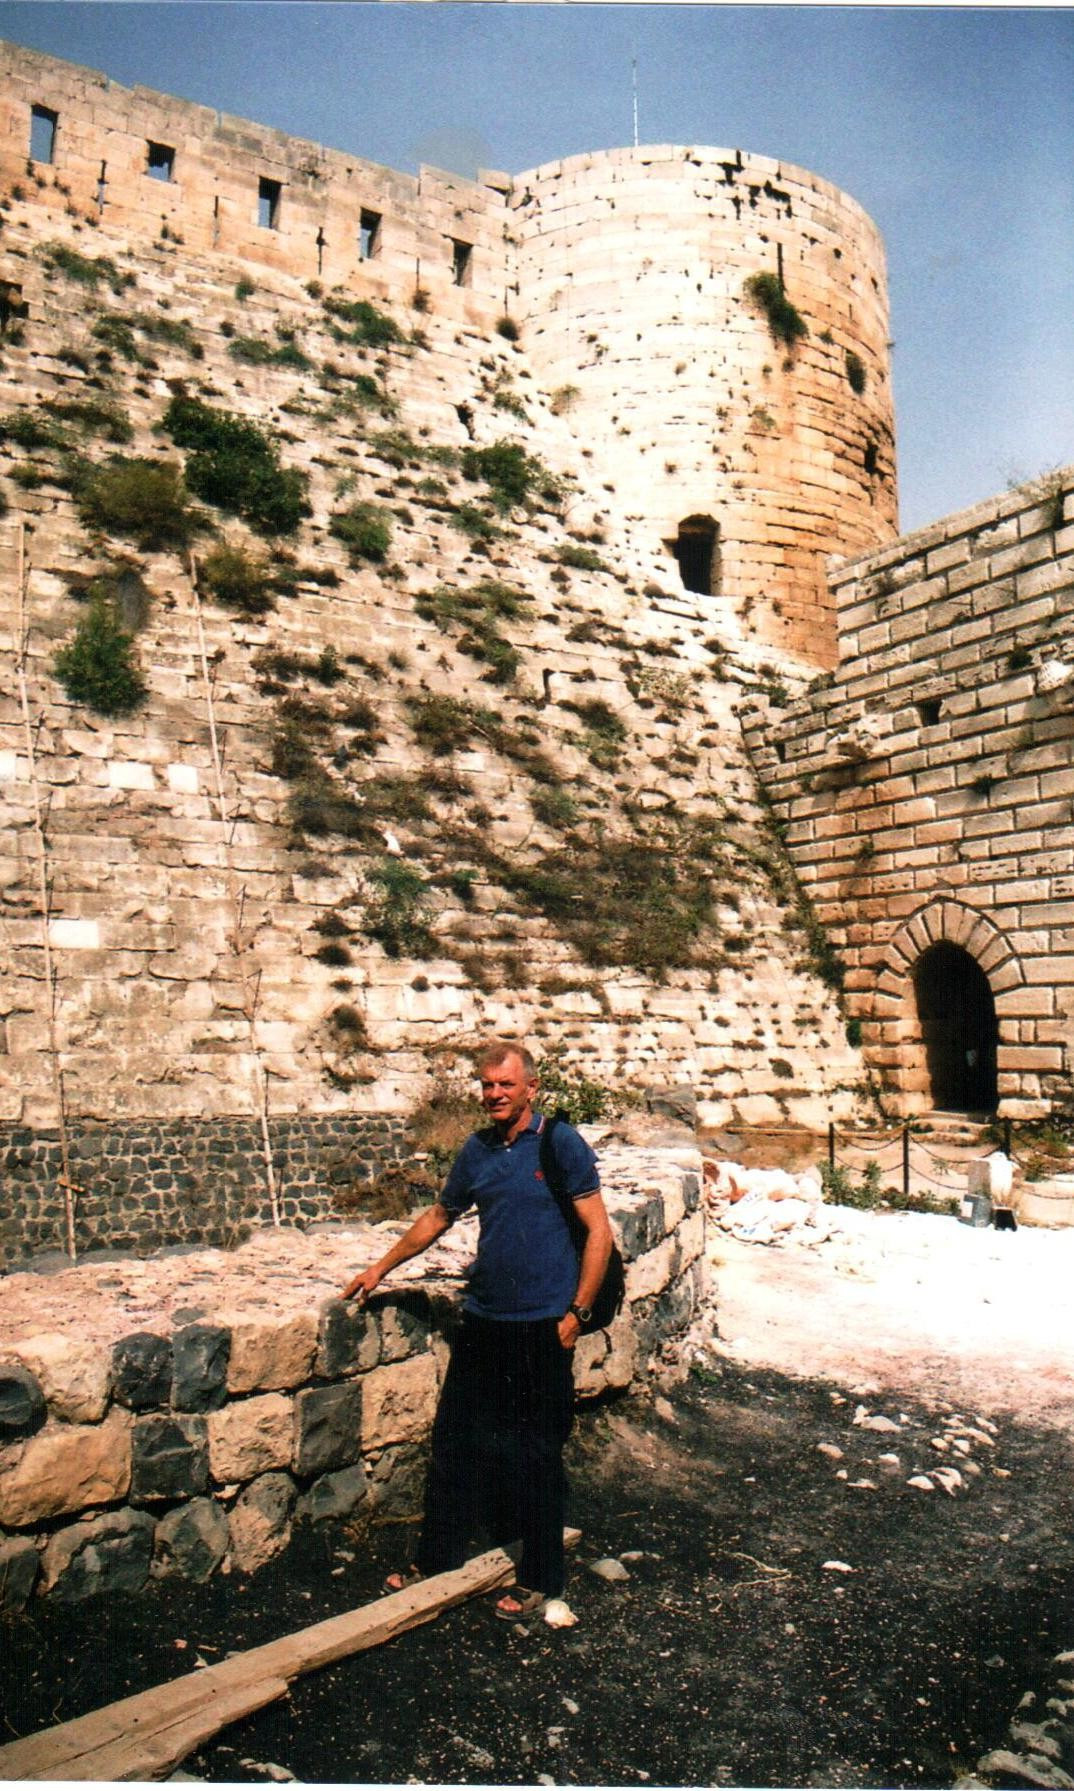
(732, 1656)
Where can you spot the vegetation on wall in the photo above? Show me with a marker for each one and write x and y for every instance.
(98, 667)
(235, 465)
(145, 500)
(785, 322)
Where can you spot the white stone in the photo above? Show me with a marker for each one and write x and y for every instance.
(607, 1568)
(130, 774)
(9, 766)
(183, 779)
(74, 935)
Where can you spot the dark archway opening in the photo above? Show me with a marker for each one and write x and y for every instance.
(697, 549)
(957, 1015)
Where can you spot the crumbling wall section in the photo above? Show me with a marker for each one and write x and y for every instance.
(181, 1416)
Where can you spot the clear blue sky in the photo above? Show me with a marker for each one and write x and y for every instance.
(954, 128)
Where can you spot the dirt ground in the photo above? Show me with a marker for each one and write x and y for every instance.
(796, 1614)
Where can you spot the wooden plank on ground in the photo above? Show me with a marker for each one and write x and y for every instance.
(146, 1735)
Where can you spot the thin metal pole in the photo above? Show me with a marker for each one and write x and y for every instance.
(905, 1158)
(831, 1144)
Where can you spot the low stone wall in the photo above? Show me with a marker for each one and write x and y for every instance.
(179, 1415)
(147, 1184)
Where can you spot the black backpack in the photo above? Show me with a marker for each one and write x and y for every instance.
(612, 1290)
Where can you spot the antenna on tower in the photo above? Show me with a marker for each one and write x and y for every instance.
(634, 80)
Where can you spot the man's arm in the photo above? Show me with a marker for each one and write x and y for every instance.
(427, 1227)
(597, 1249)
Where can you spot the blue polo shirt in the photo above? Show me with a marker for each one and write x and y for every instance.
(526, 1266)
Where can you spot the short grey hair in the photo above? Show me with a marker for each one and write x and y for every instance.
(496, 1051)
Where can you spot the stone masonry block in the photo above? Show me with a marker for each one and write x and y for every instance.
(169, 1458)
(349, 1341)
(404, 1323)
(201, 1362)
(20, 1565)
(334, 1496)
(104, 1554)
(271, 1355)
(65, 1467)
(191, 1540)
(22, 1403)
(328, 1427)
(250, 1436)
(142, 1370)
(399, 1402)
(260, 1521)
(72, 1372)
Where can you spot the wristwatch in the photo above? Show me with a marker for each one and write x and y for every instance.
(582, 1313)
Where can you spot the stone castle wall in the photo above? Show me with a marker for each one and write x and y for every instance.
(213, 199)
(632, 268)
(178, 1416)
(184, 980)
(627, 268)
(928, 786)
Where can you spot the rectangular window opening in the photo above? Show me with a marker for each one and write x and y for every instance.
(268, 203)
(43, 123)
(461, 256)
(928, 710)
(369, 235)
(160, 161)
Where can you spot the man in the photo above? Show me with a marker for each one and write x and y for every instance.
(507, 1404)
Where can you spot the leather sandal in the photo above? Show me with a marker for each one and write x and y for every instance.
(529, 1604)
(402, 1578)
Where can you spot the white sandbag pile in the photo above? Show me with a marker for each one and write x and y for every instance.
(762, 1206)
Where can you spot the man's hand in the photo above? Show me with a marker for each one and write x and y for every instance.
(569, 1330)
(364, 1283)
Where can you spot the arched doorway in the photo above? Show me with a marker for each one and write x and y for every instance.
(697, 549)
(957, 1015)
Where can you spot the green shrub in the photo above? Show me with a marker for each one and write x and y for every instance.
(478, 612)
(565, 1089)
(369, 328)
(140, 498)
(442, 724)
(86, 270)
(638, 898)
(582, 559)
(27, 429)
(553, 807)
(117, 333)
(244, 289)
(506, 468)
(471, 521)
(786, 324)
(175, 332)
(98, 667)
(235, 465)
(365, 531)
(255, 351)
(840, 1188)
(93, 416)
(508, 329)
(238, 579)
(396, 913)
(856, 374)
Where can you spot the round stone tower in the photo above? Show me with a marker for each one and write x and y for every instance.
(747, 422)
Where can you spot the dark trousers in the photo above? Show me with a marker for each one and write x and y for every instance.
(505, 1413)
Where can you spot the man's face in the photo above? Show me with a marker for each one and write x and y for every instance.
(505, 1091)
